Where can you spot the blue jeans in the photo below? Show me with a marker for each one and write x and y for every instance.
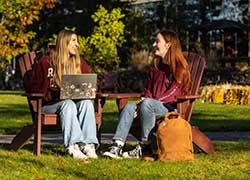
(148, 110)
(77, 120)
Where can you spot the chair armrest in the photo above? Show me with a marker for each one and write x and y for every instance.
(35, 101)
(124, 95)
(185, 105)
(187, 97)
(35, 95)
(121, 98)
(102, 95)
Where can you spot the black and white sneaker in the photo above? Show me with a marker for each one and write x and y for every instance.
(115, 151)
(135, 153)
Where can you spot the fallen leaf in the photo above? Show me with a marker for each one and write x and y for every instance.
(19, 121)
(61, 161)
(38, 178)
(85, 161)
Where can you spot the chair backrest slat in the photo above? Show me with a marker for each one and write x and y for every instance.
(196, 66)
(26, 62)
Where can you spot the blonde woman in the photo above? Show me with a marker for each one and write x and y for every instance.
(168, 78)
(77, 117)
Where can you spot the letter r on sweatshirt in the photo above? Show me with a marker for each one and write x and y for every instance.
(50, 72)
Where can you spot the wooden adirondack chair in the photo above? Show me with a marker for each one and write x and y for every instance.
(184, 105)
(39, 119)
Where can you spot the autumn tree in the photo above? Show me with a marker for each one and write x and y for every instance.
(15, 18)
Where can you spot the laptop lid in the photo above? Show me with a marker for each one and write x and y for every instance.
(78, 86)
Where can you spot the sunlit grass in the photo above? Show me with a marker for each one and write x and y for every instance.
(231, 160)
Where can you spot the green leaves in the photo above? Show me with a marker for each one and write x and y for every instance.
(100, 48)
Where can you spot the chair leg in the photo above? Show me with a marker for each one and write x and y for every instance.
(98, 134)
(99, 103)
(202, 141)
(38, 129)
(37, 140)
(98, 117)
(21, 138)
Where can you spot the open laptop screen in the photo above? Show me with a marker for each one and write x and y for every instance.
(78, 86)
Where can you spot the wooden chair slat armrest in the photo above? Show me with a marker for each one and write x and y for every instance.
(124, 95)
(187, 97)
(102, 95)
(121, 100)
(35, 95)
(49, 119)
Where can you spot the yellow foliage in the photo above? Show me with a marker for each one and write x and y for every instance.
(16, 17)
(206, 93)
(226, 93)
(218, 95)
(232, 96)
(245, 96)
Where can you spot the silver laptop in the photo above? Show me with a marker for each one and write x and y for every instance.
(78, 86)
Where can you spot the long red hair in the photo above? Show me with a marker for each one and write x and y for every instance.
(175, 60)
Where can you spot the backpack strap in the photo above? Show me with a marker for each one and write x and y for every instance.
(172, 115)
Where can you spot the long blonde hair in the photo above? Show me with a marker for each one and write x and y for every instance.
(175, 60)
(62, 61)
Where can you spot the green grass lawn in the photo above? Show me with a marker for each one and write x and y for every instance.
(231, 160)
(221, 117)
(14, 114)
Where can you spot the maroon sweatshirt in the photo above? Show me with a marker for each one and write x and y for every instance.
(162, 86)
(42, 80)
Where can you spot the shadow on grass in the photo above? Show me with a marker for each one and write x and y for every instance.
(15, 110)
(109, 122)
(5, 146)
(232, 147)
(218, 122)
(57, 149)
(13, 118)
(221, 125)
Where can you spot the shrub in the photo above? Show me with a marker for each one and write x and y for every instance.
(100, 48)
(226, 93)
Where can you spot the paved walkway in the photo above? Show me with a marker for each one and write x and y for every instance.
(106, 137)
(58, 138)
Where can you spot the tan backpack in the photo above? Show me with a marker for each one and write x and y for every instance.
(174, 139)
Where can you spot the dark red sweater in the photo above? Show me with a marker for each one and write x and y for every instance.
(41, 80)
(162, 86)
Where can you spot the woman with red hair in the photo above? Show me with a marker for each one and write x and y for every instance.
(168, 77)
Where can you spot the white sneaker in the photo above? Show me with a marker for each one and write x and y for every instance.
(74, 151)
(89, 150)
